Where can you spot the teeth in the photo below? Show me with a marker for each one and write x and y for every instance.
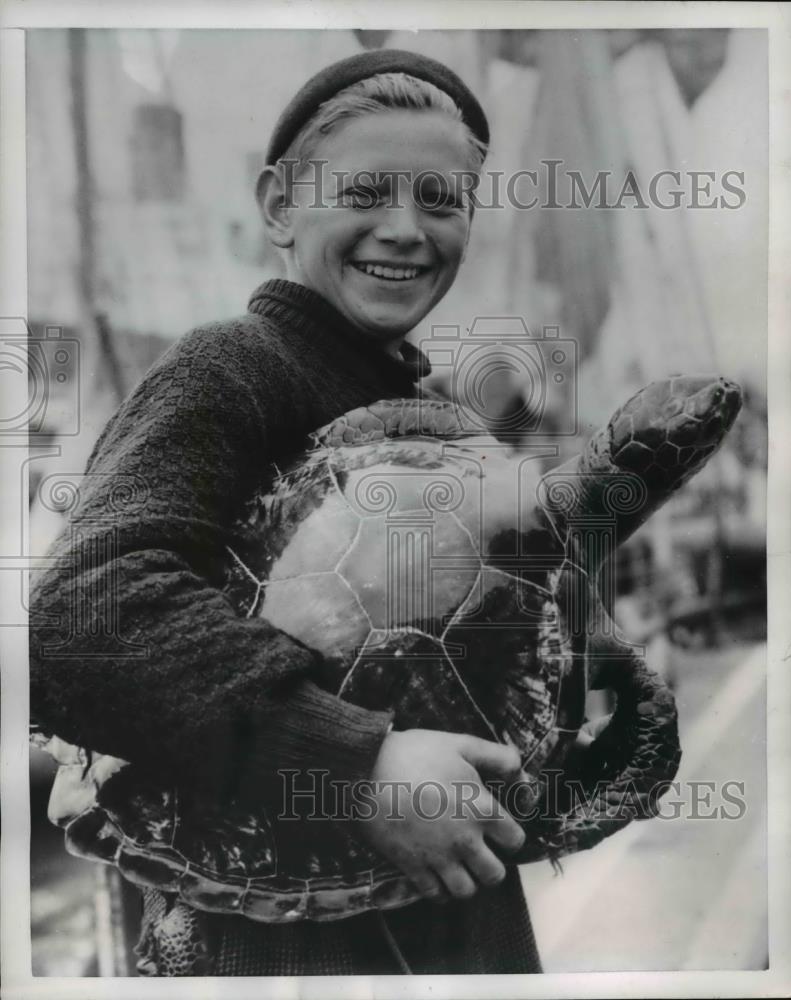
(390, 273)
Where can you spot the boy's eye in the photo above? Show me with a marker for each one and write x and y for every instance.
(438, 200)
(360, 197)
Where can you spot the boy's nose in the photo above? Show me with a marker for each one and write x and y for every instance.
(400, 224)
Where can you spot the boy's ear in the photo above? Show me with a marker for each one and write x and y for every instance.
(274, 203)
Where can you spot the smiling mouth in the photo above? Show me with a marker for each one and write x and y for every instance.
(390, 273)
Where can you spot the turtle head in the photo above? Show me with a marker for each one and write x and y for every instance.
(669, 429)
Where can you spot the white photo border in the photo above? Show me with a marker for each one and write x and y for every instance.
(15, 17)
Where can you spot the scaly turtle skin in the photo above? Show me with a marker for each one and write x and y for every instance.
(455, 586)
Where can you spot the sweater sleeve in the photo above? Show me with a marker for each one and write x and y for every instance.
(134, 649)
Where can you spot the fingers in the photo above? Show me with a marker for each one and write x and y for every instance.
(427, 883)
(480, 868)
(490, 757)
(458, 881)
(476, 864)
(503, 829)
(485, 868)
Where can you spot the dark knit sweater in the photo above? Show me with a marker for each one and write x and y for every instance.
(135, 652)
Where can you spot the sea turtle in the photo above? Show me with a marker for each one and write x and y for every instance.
(449, 580)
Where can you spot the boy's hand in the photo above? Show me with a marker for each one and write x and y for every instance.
(439, 777)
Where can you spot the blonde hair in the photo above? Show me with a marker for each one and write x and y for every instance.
(373, 95)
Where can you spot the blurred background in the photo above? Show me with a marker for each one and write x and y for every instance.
(143, 151)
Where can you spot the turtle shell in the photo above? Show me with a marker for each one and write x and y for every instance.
(425, 573)
(412, 567)
(446, 581)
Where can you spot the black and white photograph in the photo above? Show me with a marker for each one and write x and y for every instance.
(393, 421)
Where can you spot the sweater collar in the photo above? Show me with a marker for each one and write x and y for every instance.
(307, 311)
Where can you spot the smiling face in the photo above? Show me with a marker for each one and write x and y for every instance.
(384, 240)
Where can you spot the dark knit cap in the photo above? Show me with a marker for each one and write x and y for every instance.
(339, 75)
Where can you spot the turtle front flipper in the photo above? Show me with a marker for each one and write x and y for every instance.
(651, 446)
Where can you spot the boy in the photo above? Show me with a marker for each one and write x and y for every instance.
(371, 241)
